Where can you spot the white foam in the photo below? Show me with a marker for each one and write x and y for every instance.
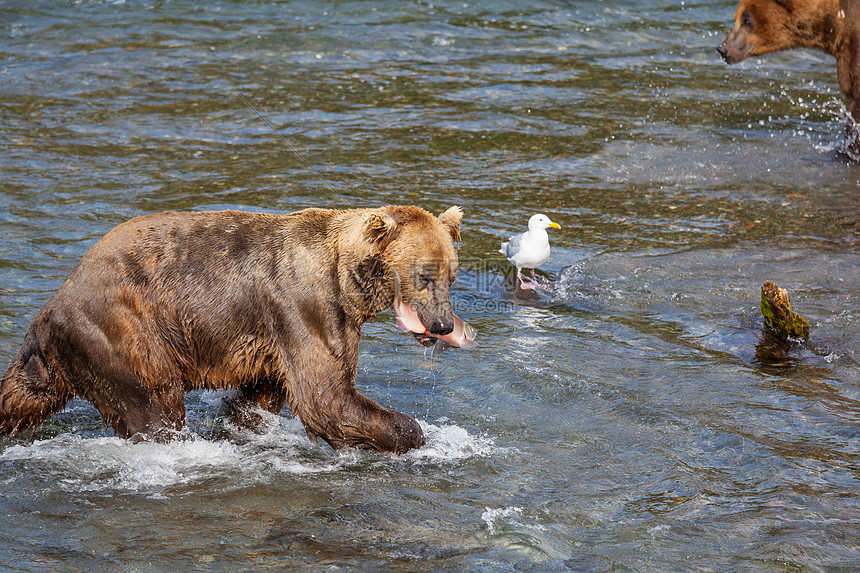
(498, 517)
(506, 514)
(86, 464)
(449, 442)
(78, 463)
(832, 357)
(491, 516)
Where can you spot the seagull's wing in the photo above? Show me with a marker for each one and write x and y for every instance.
(512, 247)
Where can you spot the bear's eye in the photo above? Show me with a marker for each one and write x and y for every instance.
(747, 20)
(424, 281)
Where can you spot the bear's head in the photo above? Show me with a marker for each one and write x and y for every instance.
(418, 248)
(761, 27)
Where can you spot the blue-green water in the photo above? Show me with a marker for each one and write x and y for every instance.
(635, 420)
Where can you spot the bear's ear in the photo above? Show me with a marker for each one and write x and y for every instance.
(380, 228)
(451, 219)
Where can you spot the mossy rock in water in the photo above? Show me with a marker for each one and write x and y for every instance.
(779, 315)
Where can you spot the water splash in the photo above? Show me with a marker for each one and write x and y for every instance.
(78, 463)
(493, 516)
(822, 135)
(448, 442)
(498, 518)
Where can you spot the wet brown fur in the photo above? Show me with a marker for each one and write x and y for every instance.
(832, 26)
(269, 304)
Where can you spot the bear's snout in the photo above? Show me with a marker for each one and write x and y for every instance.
(441, 327)
(736, 47)
(436, 315)
(438, 321)
(730, 53)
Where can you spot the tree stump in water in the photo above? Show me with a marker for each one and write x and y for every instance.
(778, 314)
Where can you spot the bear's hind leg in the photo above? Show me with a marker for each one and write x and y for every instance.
(29, 393)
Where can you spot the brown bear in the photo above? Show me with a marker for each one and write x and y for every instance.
(833, 26)
(271, 305)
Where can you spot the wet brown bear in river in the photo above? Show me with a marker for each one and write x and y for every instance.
(269, 304)
(833, 26)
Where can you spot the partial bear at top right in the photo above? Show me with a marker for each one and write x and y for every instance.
(832, 26)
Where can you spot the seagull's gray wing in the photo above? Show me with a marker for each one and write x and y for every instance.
(513, 246)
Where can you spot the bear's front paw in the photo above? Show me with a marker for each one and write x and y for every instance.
(407, 434)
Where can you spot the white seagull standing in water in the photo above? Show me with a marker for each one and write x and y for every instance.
(529, 250)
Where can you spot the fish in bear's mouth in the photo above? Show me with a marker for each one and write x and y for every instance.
(463, 335)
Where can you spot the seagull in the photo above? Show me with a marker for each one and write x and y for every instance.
(529, 250)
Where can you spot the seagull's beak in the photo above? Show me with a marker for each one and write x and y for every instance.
(554, 225)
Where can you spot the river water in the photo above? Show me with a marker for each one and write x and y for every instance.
(636, 419)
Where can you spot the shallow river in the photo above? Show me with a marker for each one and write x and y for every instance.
(636, 419)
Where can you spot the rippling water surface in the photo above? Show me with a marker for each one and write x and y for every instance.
(635, 420)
